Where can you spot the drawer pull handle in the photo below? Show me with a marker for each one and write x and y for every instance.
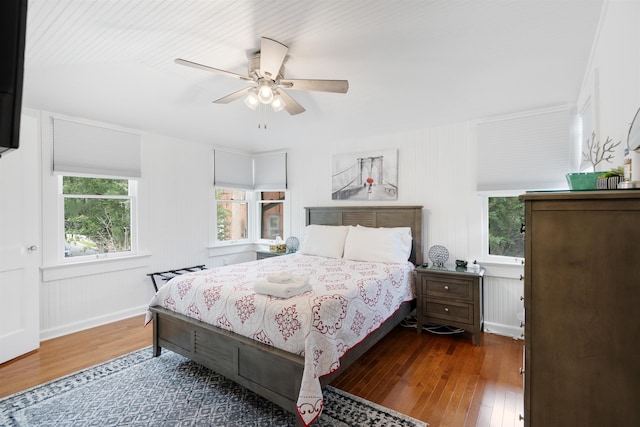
(446, 309)
(520, 417)
(521, 371)
(446, 288)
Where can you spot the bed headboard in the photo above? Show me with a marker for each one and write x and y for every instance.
(373, 216)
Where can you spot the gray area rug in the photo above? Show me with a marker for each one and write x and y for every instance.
(170, 390)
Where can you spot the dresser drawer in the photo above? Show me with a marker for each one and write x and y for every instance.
(452, 311)
(447, 287)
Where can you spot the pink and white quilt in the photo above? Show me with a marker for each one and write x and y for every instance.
(350, 299)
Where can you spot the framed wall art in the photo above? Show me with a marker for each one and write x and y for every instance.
(368, 175)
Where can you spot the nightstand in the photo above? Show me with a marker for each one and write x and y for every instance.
(450, 297)
(265, 253)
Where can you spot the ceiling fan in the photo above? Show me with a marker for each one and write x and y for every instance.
(266, 73)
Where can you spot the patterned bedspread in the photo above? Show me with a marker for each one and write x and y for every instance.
(350, 299)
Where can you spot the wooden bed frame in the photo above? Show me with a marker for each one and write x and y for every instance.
(268, 371)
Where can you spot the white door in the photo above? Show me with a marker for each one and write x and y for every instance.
(19, 241)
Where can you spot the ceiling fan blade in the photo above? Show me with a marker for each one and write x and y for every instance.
(290, 104)
(215, 70)
(272, 54)
(336, 86)
(233, 96)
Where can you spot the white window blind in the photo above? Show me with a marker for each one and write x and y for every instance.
(232, 170)
(270, 171)
(528, 152)
(586, 132)
(260, 172)
(92, 151)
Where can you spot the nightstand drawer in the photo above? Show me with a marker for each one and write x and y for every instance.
(447, 287)
(267, 254)
(449, 311)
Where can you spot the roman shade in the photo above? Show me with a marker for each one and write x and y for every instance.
(86, 150)
(260, 172)
(270, 171)
(525, 152)
(232, 170)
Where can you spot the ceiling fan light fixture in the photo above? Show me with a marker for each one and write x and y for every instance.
(265, 91)
(266, 78)
(252, 100)
(278, 103)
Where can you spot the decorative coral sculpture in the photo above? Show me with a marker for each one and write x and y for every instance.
(597, 153)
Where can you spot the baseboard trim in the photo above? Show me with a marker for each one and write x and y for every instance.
(47, 334)
(59, 331)
(506, 330)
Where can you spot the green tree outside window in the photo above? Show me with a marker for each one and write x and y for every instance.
(97, 215)
(506, 216)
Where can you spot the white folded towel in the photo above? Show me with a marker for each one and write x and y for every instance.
(281, 277)
(299, 285)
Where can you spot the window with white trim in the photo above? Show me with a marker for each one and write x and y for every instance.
(232, 215)
(250, 197)
(271, 208)
(519, 153)
(503, 239)
(98, 216)
(97, 168)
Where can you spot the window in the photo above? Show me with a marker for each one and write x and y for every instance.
(98, 216)
(505, 216)
(250, 197)
(271, 214)
(232, 215)
(249, 216)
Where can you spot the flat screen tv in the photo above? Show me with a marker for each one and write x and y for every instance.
(13, 24)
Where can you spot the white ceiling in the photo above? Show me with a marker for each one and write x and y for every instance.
(410, 63)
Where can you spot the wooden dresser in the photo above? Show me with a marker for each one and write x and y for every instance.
(582, 309)
(450, 297)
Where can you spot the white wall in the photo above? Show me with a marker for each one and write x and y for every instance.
(612, 79)
(436, 169)
(173, 216)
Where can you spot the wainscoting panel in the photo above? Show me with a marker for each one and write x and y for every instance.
(503, 305)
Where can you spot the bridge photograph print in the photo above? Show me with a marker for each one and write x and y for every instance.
(371, 175)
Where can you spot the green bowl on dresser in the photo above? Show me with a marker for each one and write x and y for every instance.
(583, 180)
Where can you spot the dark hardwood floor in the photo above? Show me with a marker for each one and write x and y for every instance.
(443, 380)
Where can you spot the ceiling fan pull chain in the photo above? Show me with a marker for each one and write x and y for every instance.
(262, 116)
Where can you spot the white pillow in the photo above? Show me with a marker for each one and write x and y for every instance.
(324, 240)
(378, 244)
